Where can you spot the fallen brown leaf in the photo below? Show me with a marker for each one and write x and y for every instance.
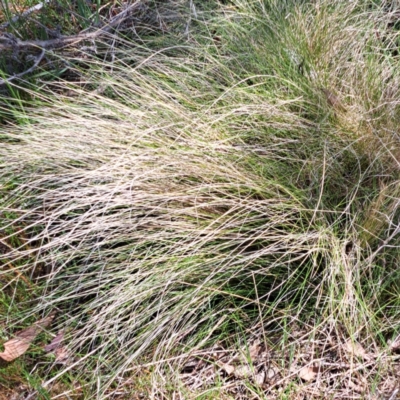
(308, 373)
(243, 371)
(260, 378)
(272, 372)
(229, 369)
(356, 349)
(55, 343)
(20, 343)
(254, 350)
(356, 387)
(333, 100)
(62, 355)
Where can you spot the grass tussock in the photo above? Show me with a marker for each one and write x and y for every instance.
(242, 181)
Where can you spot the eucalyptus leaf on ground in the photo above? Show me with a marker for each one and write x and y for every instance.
(17, 346)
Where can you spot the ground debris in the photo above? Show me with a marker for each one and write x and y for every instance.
(327, 364)
(18, 345)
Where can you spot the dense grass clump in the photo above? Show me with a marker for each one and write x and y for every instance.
(243, 179)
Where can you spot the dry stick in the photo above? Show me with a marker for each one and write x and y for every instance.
(35, 64)
(9, 42)
(394, 394)
(24, 14)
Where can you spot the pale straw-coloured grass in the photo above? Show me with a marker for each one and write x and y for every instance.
(187, 196)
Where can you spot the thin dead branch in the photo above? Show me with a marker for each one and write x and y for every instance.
(39, 58)
(10, 42)
(25, 14)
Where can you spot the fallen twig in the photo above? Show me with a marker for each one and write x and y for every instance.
(394, 394)
(26, 13)
(32, 68)
(9, 42)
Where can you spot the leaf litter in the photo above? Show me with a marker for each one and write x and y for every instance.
(56, 347)
(327, 364)
(17, 346)
(320, 364)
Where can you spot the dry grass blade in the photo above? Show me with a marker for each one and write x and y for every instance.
(191, 196)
